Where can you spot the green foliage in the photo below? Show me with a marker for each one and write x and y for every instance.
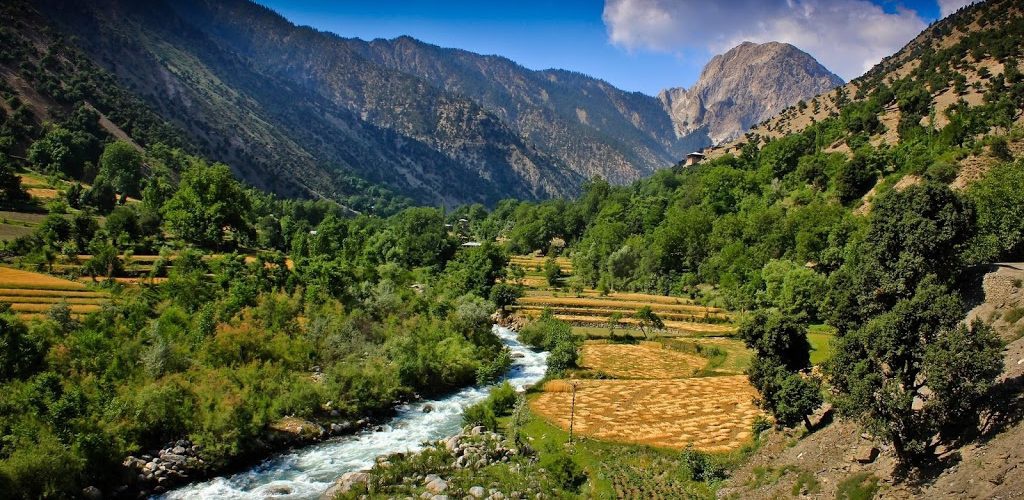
(500, 402)
(563, 470)
(858, 486)
(999, 199)
(702, 466)
(208, 201)
(552, 272)
(21, 352)
(555, 336)
(781, 352)
(121, 165)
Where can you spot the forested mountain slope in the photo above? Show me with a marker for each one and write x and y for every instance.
(255, 91)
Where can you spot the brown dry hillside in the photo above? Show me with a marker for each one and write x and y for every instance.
(966, 74)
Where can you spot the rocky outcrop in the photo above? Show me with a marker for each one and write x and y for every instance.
(743, 87)
(174, 465)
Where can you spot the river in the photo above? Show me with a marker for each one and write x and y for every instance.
(307, 472)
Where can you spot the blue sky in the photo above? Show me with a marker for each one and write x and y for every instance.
(639, 45)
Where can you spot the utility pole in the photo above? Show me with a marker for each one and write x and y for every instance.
(572, 410)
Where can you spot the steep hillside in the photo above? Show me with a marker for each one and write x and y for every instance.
(744, 86)
(966, 61)
(592, 126)
(292, 108)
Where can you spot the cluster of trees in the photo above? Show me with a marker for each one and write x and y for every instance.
(383, 309)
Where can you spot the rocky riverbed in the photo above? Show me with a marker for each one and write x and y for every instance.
(472, 449)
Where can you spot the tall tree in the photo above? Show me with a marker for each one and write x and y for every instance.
(121, 164)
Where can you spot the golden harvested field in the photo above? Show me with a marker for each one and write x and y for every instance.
(646, 360)
(607, 312)
(16, 278)
(712, 413)
(615, 296)
(22, 307)
(31, 294)
(531, 262)
(618, 304)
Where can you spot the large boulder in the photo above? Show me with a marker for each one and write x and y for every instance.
(345, 483)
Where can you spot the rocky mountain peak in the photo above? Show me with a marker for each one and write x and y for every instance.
(742, 87)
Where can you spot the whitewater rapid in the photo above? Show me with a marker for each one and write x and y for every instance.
(307, 472)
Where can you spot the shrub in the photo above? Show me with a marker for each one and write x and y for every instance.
(563, 470)
(502, 399)
(702, 466)
(480, 414)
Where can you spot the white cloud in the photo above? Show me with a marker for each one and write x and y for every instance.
(847, 36)
(947, 7)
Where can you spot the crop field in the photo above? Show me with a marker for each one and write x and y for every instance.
(31, 294)
(713, 413)
(681, 316)
(533, 262)
(646, 360)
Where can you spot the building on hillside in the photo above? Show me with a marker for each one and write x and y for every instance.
(694, 158)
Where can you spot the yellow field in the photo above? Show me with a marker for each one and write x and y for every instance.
(16, 278)
(671, 327)
(531, 262)
(619, 304)
(31, 294)
(647, 360)
(712, 413)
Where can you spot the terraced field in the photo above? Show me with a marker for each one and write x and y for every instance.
(681, 317)
(32, 294)
(714, 414)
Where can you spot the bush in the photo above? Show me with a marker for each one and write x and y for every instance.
(702, 466)
(480, 414)
(502, 399)
(563, 470)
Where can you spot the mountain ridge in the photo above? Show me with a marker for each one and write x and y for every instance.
(744, 86)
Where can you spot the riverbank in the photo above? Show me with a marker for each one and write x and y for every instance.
(306, 472)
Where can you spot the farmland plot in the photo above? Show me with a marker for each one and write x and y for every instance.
(645, 360)
(711, 413)
(32, 294)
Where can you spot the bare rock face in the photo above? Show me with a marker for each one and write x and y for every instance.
(747, 84)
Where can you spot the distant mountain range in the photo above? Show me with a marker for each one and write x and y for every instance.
(298, 111)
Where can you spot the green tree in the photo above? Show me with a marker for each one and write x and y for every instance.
(781, 353)
(649, 320)
(552, 272)
(11, 192)
(208, 202)
(913, 374)
(505, 294)
(121, 164)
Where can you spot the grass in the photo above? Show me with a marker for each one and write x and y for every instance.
(621, 470)
(821, 338)
(10, 232)
(859, 486)
(806, 484)
(711, 413)
(1014, 315)
(726, 356)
